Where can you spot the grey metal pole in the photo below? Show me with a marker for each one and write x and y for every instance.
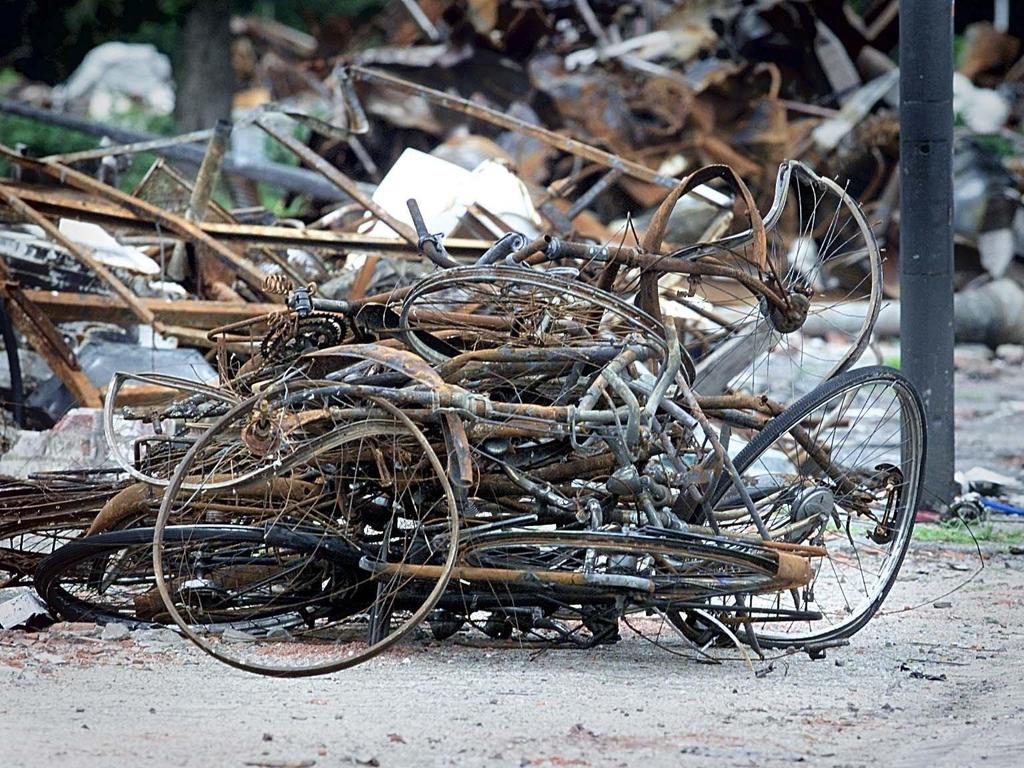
(926, 231)
(284, 176)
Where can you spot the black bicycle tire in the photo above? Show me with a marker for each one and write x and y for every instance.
(792, 416)
(48, 573)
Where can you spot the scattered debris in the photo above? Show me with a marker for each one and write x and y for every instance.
(117, 77)
(916, 674)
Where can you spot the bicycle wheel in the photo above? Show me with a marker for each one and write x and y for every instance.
(841, 468)
(574, 586)
(367, 481)
(147, 442)
(478, 308)
(253, 578)
(822, 260)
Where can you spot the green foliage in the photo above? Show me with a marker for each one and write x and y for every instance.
(8, 77)
(298, 13)
(272, 199)
(1000, 146)
(138, 119)
(43, 139)
(162, 34)
(959, 48)
(277, 153)
(58, 34)
(957, 532)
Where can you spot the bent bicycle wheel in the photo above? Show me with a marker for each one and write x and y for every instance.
(147, 442)
(658, 567)
(366, 482)
(841, 469)
(824, 263)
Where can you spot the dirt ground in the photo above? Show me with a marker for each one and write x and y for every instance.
(989, 411)
(929, 686)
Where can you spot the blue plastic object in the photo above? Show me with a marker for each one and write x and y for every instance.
(999, 506)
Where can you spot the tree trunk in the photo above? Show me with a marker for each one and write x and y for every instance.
(204, 76)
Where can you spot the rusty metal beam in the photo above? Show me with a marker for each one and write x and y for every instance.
(198, 203)
(81, 254)
(44, 338)
(339, 179)
(68, 203)
(133, 148)
(201, 315)
(467, 248)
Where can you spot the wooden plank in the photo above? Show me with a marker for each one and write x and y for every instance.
(239, 265)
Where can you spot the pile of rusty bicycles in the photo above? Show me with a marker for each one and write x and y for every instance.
(537, 446)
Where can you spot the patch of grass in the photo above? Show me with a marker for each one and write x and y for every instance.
(8, 77)
(955, 532)
(273, 200)
(959, 49)
(44, 139)
(141, 163)
(138, 119)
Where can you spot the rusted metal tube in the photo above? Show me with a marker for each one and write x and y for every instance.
(339, 179)
(512, 576)
(202, 190)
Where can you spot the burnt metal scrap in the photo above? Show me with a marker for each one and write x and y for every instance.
(513, 447)
(518, 446)
(470, 391)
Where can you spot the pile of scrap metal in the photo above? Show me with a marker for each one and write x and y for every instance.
(535, 435)
(503, 447)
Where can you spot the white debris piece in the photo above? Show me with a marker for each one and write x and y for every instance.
(20, 611)
(75, 442)
(106, 249)
(114, 76)
(982, 109)
(445, 191)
